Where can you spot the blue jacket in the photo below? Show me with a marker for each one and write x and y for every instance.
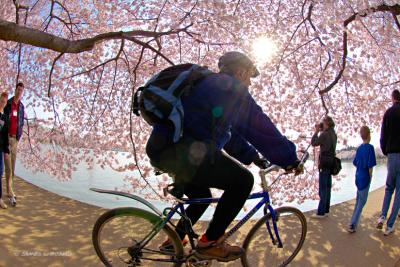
(20, 116)
(364, 160)
(220, 110)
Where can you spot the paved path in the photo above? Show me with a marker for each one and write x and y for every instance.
(46, 229)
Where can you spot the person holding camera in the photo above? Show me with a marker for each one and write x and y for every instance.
(326, 138)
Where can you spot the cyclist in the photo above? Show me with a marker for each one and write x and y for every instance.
(220, 114)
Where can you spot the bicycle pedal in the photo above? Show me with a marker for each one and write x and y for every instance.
(193, 261)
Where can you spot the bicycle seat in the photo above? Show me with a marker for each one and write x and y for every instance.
(270, 168)
(175, 190)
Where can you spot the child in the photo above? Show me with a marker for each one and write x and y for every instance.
(364, 161)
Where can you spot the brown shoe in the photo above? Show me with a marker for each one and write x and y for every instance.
(220, 251)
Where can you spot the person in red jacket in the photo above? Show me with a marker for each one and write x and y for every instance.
(15, 112)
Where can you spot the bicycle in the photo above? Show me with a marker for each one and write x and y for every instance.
(144, 231)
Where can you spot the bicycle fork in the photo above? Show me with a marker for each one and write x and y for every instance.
(274, 235)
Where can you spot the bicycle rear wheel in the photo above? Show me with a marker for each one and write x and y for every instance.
(259, 248)
(118, 234)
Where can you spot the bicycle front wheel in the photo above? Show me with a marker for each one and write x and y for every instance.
(259, 248)
(119, 239)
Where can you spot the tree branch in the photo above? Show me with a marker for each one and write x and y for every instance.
(396, 20)
(395, 10)
(17, 8)
(10, 31)
(51, 72)
(101, 64)
(236, 7)
(324, 105)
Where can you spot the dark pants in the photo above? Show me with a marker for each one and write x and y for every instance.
(325, 186)
(1, 173)
(200, 168)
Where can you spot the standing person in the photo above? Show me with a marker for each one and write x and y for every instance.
(197, 162)
(364, 160)
(3, 141)
(325, 137)
(14, 110)
(390, 145)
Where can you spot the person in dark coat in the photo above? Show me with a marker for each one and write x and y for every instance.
(3, 140)
(390, 145)
(326, 138)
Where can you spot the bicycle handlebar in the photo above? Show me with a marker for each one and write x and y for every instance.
(304, 157)
(271, 167)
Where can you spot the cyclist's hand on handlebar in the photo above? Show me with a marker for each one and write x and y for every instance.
(297, 168)
(261, 163)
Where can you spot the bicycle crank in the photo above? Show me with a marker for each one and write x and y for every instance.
(193, 261)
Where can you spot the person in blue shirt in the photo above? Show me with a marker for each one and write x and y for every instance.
(364, 161)
(219, 114)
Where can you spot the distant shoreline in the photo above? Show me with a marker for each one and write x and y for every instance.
(348, 154)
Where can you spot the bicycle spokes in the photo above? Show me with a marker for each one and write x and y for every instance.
(133, 241)
(289, 227)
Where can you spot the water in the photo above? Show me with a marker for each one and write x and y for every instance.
(78, 187)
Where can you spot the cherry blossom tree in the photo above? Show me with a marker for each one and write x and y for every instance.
(82, 60)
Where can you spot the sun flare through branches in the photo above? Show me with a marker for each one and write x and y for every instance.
(264, 49)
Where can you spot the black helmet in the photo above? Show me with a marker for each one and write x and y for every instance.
(239, 59)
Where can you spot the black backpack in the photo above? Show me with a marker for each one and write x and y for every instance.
(159, 100)
(336, 166)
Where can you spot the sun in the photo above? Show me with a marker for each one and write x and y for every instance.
(263, 49)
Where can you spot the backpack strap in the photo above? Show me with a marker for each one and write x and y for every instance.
(176, 88)
(191, 76)
(187, 79)
(176, 117)
(136, 105)
(332, 135)
(159, 100)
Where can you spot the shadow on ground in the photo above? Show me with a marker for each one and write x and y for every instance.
(329, 244)
(46, 229)
(49, 230)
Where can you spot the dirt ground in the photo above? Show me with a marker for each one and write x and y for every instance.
(46, 229)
